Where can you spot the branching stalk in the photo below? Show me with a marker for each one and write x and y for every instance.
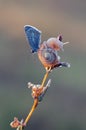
(36, 100)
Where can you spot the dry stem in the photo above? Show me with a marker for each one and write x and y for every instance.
(31, 111)
(36, 100)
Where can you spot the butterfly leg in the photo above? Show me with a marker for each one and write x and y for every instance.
(64, 64)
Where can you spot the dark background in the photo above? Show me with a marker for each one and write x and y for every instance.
(64, 106)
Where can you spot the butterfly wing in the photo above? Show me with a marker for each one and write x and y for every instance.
(33, 36)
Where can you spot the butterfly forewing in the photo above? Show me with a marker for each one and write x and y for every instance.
(33, 36)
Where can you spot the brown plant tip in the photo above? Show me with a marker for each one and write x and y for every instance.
(16, 123)
(38, 91)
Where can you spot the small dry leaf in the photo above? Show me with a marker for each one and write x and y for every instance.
(16, 123)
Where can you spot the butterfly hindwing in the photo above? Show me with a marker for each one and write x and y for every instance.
(33, 36)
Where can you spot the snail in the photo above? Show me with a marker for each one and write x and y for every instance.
(48, 56)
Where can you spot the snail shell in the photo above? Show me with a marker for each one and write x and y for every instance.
(48, 57)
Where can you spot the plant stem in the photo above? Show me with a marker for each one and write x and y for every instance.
(36, 100)
(31, 111)
(44, 79)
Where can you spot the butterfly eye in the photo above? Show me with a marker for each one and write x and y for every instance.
(60, 38)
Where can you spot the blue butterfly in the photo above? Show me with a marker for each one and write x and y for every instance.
(33, 36)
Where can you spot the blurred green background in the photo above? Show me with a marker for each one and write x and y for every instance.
(64, 106)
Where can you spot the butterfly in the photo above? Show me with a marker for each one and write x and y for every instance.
(47, 50)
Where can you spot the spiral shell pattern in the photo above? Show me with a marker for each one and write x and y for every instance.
(48, 57)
